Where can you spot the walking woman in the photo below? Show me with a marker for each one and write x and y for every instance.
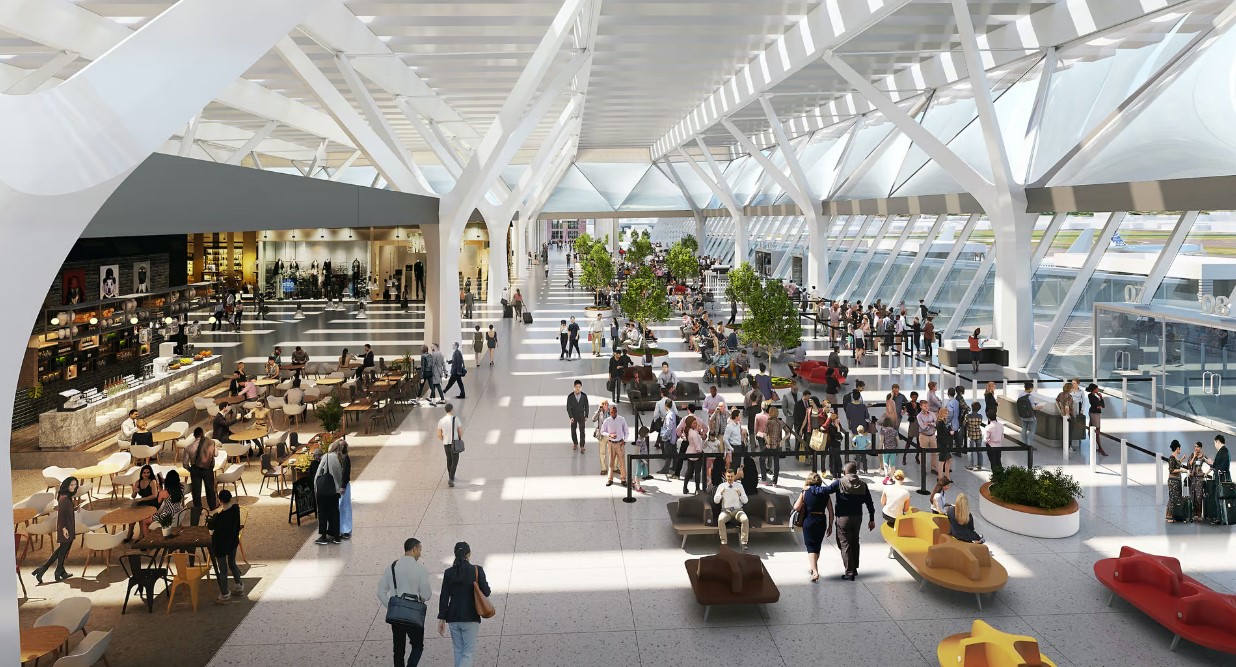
(478, 345)
(457, 605)
(491, 342)
(816, 508)
(518, 304)
(1097, 403)
(695, 447)
(1175, 488)
(66, 530)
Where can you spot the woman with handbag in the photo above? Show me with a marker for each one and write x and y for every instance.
(464, 602)
(404, 590)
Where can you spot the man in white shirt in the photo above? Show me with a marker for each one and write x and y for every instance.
(449, 428)
(614, 430)
(993, 436)
(731, 497)
(712, 400)
(128, 427)
(595, 330)
(406, 576)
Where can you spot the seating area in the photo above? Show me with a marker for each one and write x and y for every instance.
(922, 541)
(985, 646)
(697, 515)
(1184, 606)
(731, 578)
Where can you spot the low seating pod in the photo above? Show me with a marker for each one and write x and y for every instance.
(985, 646)
(923, 542)
(730, 578)
(1182, 604)
(697, 515)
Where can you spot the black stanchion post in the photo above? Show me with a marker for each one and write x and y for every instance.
(630, 485)
(922, 463)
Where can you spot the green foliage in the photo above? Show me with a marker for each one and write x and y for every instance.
(639, 250)
(690, 242)
(645, 234)
(1045, 489)
(330, 415)
(744, 284)
(682, 262)
(598, 269)
(772, 321)
(583, 244)
(644, 298)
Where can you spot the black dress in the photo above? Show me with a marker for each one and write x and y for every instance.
(815, 517)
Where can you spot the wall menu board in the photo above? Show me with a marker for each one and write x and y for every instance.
(304, 502)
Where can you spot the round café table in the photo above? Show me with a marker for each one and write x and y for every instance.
(230, 400)
(38, 642)
(266, 382)
(246, 435)
(330, 381)
(127, 516)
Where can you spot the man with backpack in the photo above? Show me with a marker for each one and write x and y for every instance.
(852, 496)
(1026, 405)
(200, 462)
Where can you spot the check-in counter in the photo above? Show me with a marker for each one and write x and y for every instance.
(956, 353)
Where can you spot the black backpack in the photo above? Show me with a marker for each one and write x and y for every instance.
(1025, 408)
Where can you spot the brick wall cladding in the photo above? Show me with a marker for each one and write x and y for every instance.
(26, 410)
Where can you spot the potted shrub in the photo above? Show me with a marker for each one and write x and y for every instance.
(644, 301)
(165, 524)
(1032, 501)
(330, 416)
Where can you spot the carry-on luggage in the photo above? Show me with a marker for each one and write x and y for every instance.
(1182, 509)
(527, 317)
(1226, 511)
(508, 312)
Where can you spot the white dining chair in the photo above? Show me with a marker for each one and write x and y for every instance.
(89, 652)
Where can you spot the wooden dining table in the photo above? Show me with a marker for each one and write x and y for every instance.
(230, 400)
(185, 538)
(330, 381)
(266, 382)
(38, 642)
(165, 436)
(127, 516)
(357, 409)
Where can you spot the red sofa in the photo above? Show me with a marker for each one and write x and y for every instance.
(1180, 603)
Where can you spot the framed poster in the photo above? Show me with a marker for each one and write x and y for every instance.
(141, 277)
(109, 281)
(73, 286)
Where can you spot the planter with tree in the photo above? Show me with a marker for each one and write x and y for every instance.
(743, 287)
(1032, 501)
(597, 272)
(772, 322)
(644, 302)
(330, 416)
(682, 263)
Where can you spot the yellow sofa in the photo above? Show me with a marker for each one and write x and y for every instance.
(985, 646)
(923, 542)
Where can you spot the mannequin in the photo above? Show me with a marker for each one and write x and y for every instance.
(418, 271)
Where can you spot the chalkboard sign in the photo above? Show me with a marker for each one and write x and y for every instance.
(304, 500)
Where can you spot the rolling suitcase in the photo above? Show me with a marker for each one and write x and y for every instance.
(527, 317)
(508, 312)
(1182, 509)
(1226, 511)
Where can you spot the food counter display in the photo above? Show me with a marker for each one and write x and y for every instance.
(66, 430)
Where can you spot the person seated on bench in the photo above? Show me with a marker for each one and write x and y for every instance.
(742, 363)
(732, 497)
(667, 379)
(961, 522)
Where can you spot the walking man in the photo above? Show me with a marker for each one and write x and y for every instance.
(573, 331)
(458, 370)
(852, 496)
(200, 460)
(617, 364)
(450, 428)
(406, 576)
(596, 332)
(577, 411)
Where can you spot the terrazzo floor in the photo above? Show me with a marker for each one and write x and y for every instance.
(581, 578)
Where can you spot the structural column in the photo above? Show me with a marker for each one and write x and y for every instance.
(499, 277)
(443, 323)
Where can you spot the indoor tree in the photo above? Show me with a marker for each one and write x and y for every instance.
(690, 242)
(598, 267)
(639, 250)
(772, 321)
(644, 299)
(682, 262)
(743, 286)
(583, 244)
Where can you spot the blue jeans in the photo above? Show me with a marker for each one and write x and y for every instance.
(463, 639)
(345, 511)
(1027, 429)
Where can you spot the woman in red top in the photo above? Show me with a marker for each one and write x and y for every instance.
(975, 349)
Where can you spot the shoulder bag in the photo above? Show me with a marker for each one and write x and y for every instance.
(484, 607)
(457, 443)
(406, 609)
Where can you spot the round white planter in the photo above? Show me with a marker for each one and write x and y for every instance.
(1033, 524)
(606, 313)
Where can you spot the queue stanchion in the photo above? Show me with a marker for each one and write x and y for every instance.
(1124, 463)
(922, 464)
(630, 497)
(1158, 481)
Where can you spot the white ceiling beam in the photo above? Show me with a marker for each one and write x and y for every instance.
(565, 130)
(319, 156)
(338, 29)
(550, 184)
(667, 168)
(64, 25)
(1058, 24)
(389, 165)
(186, 138)
(338, 173)
(721, 188)
(377, 119)
(47, 71)
(510, 130)
(830, 25)
(959, 169)
(251, 143)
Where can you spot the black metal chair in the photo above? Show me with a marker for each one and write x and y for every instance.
(142, 574)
